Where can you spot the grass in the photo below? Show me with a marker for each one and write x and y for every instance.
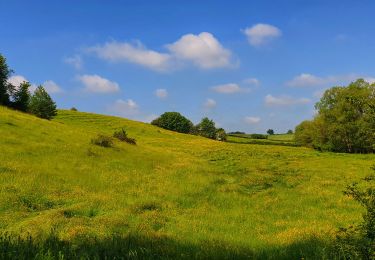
(170, 196)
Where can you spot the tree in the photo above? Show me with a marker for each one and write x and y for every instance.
(21, 97)
(270, 132)
(173, 121)
(207, 128)
(5, 87)
(345, 121)
(42, 105)
(290, 131)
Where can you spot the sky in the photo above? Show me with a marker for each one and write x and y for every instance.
(248, 65)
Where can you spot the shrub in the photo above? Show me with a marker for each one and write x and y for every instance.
(290, 131)
(42, 105)
(358, 242)
(102, 140)
(123, 136)
(258, 136)
(270, 132)
(73, 109)
(221, 135)
(173, 121)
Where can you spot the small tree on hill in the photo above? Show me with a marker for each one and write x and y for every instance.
(290, 131)
(221, 135)
(5, 87)
(270, 132)
(21, 97)
(173, 121)
(42, 105)
(207, 128)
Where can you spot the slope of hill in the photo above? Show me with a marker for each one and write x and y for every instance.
(176, 195)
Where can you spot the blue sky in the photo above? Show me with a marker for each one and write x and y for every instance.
(248, 65)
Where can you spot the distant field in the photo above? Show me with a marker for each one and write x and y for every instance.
(170, 196)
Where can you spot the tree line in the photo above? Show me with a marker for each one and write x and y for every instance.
(174, 121)
(345, 120)
(20, 98)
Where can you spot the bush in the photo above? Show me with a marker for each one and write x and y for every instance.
(270, 132)
(290, 131)
(21, 97)
(258, 136)
(102, 140)
(358, 242)
(173, 121)
(221, 135)
(42, 105)
(123, 136)
(73, 109)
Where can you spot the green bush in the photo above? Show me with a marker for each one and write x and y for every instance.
(221, 135)
(173, 121)
(358, 242)
(102, 140)
(123, 136)
(258, 136)
(73, 109)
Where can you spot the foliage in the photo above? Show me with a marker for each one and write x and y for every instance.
(5, 87)
(73, 109)
(358, 242)
(42, 105)
(290, 131)
(237, 132)
(173, 121)
(123, 136)
(21, 97)
(258, 136)
(270, 131)
(102, 140)
(345, 120)
(221, 135)
(207, 128)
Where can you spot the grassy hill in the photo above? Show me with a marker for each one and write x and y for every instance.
(170, 196)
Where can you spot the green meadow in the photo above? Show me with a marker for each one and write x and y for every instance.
(170, 196)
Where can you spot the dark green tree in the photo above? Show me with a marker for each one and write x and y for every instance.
(270, 132)
(42, 105)
(5, 87)
(21, 97)
(221, 135)
(290, 131)
(174, 121)
(207, 128)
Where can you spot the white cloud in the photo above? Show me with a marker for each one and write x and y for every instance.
(209, 103)
(97, 84)
(75, 61)
(229, 88)
(370, 80)
(51, 87)
(260, 33)
(252, 81)
(203, 50)
(124, 107)
(309, 80)
(306, 80)
(134, 53)
(161, 93)
(284, 101)
(252, 120)
(150, 118)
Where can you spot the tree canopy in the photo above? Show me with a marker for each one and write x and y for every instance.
(174, 121)
(345, 120)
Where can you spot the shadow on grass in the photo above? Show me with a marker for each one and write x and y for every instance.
(157, 247)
